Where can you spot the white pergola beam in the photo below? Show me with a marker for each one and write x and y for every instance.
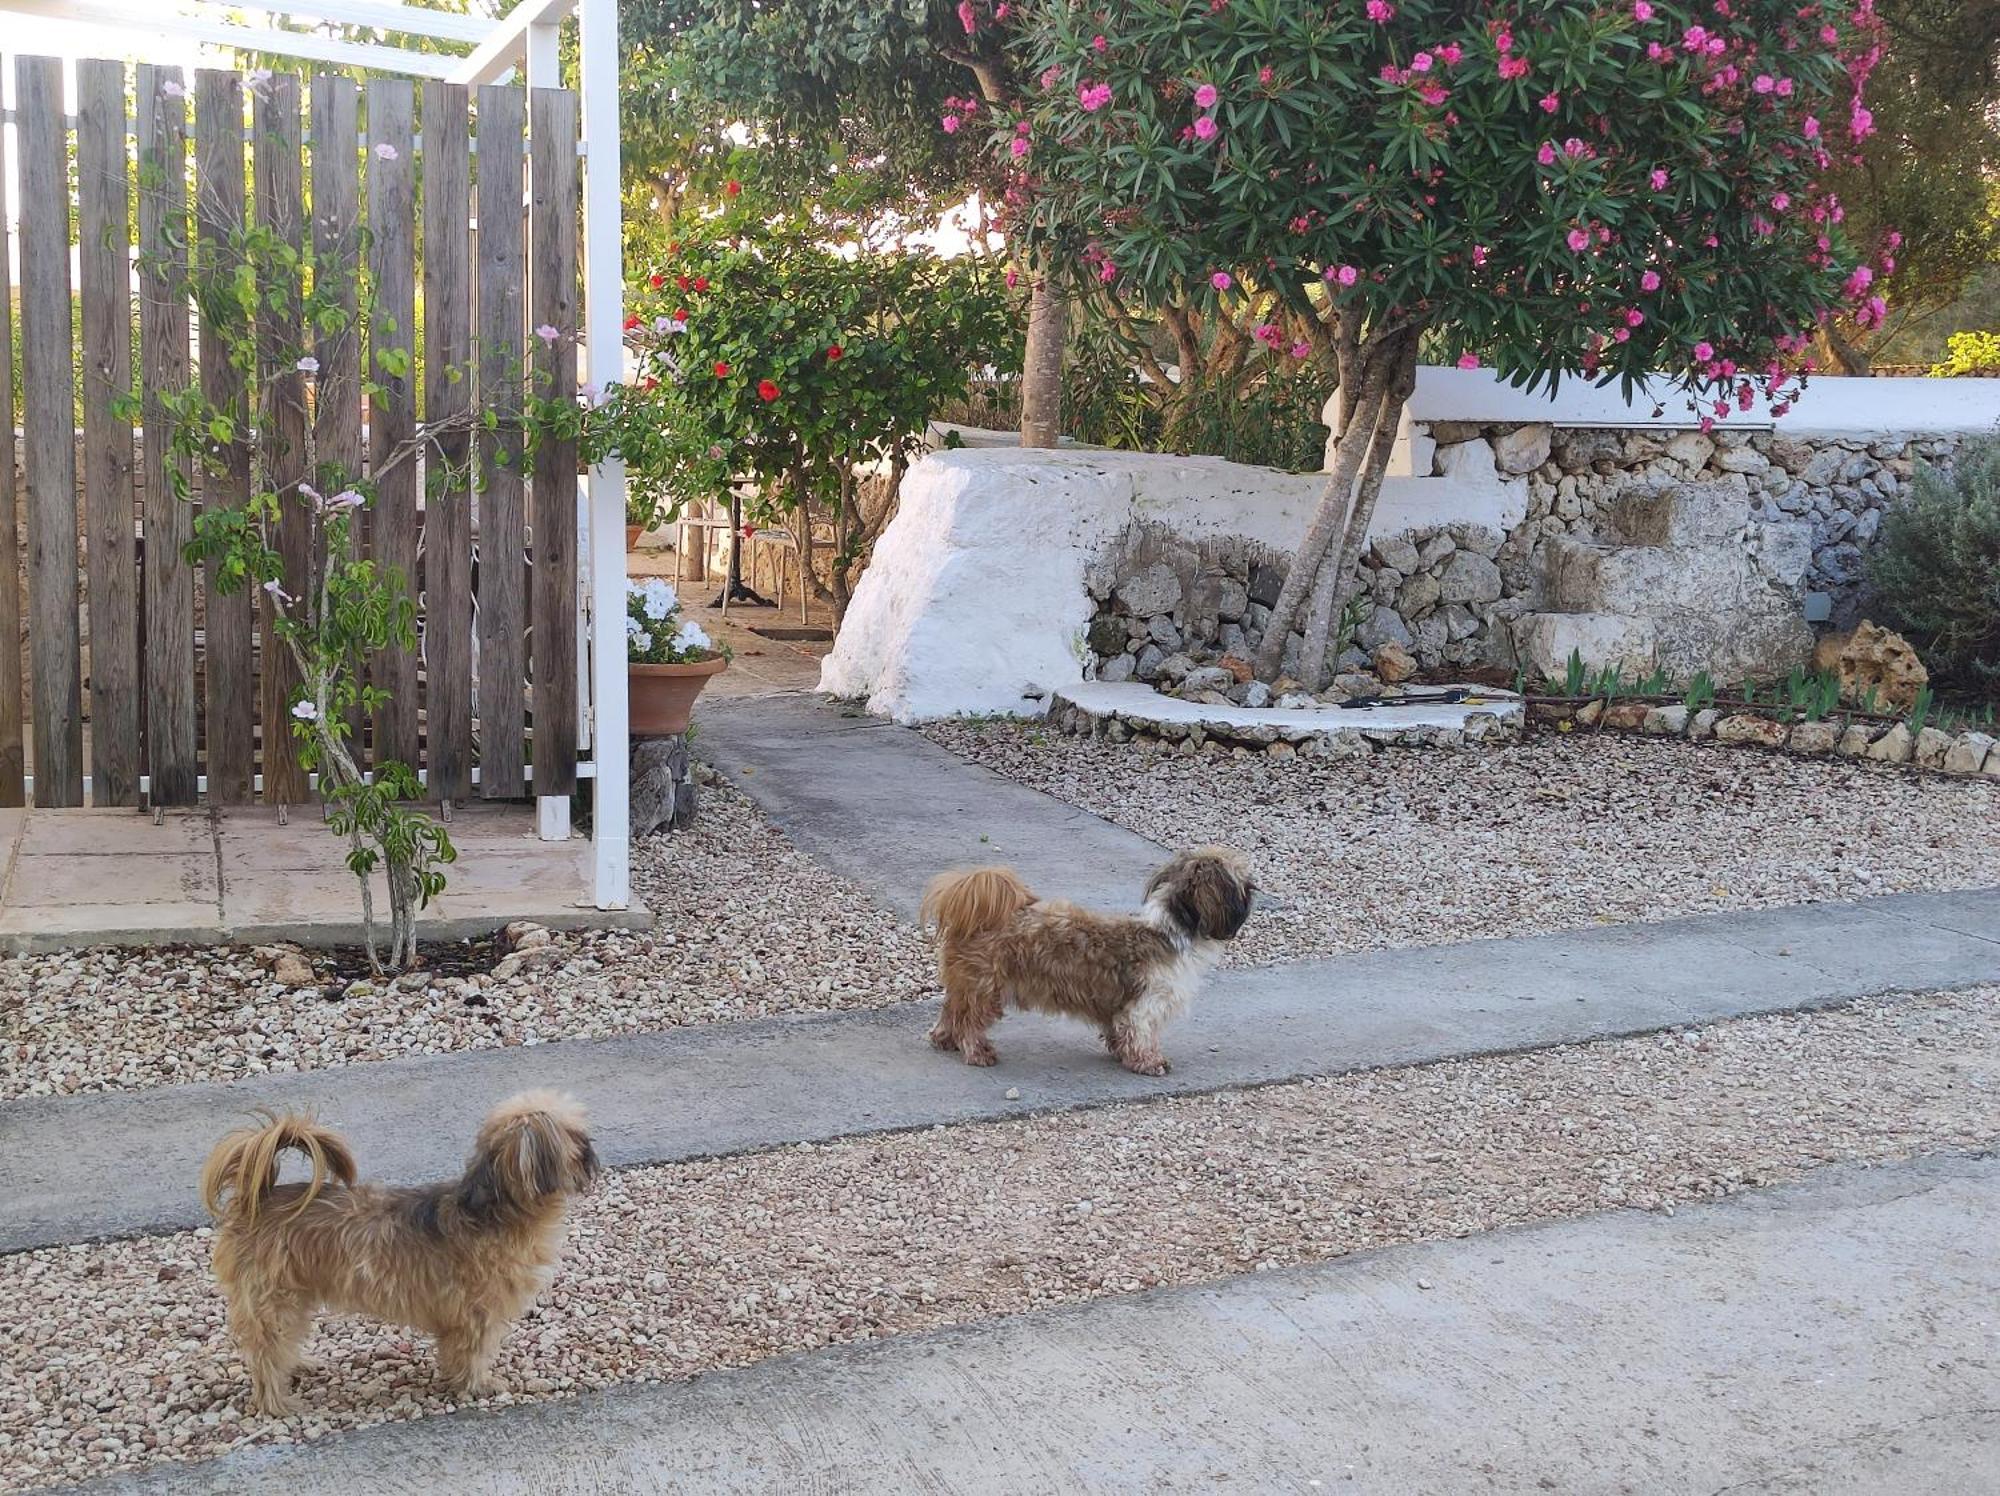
(504, 42)
(381, 15)
(307, 44)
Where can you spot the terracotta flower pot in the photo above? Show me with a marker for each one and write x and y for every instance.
(632, 534)
(662, 696)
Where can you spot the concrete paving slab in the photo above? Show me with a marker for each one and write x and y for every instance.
(1833, 1337)
(114, 832)
(886, 807)
(69, 1170)
(39, 927)
(62, 880)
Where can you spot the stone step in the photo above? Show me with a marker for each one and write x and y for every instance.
(1545, 642)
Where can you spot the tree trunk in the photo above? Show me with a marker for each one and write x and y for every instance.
(1041, 367)
(1853, 361)
(1335, 583)
(1355, 435)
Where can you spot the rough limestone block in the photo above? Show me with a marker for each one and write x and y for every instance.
(1969, 754)
(1544, 642)
(1680, 514)
(1703, 724)
(1932, 746)
(1894, 746)
(1815, 737)
(1854, 742)
(1748, 728)
(1666, 721)
(1522, 450)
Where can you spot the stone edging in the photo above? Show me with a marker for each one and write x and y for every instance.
(1277, 738)
(1968, 753)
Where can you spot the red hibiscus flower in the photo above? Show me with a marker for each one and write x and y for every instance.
(732, 188)
(766, 391)
(835, 354)
(701, 283)
(680, 314)
(656, 281)
(681, 281)
(721, 369)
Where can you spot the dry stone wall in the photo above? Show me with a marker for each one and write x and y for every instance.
(1804, 511)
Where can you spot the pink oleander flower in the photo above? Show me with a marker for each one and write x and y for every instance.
(1450, 54)
(1268, 333)
(966, 18)
(1093, 96)
(1780, 201)
(1098, 43)
(1513, 67)
(1433, 94)
(1344, 275)
(1302, 349)
(1479, 254)
(1205, 96)
(1547, 154)
(1468, 361)
(1550, 103)
(1380, 11)
(1578, 240)
(1222, 280)
(1650, 281)
(1658, 179)
(1810, 129)
(1634, 317)
(1642, 11)
(1205, 127)
(950, 124)
(1763, 83)
(1703, 352)
(1421, 63)
(1018, 146)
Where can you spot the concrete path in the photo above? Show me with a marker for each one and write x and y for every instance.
(888, 808)
(122, 1164)
(1833, 1337)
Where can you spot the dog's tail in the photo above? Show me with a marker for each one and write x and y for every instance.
(237, 1180)
(971, 903)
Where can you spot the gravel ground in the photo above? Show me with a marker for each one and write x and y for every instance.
(747, 926)
(1410, 847)
(117, 1354)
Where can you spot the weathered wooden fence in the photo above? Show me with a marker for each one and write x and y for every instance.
(476, 219)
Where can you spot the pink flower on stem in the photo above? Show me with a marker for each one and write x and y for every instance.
(1642, 11)
(1098, 43)
(1763, 83)
(966, 18)
(1205, 127)
(1450, 54)
(1222, 280)
(1513, 67)
(1550, 102)
(1302, 349)
(1344, 275)
(1547, 154)
(1810, 129)
(1205, 96)
(1578, 240)
(1703, 352)
(950, 123)
(1634, 317)
(1468, 361)
(1479, 254)
(1380, 11)
(1650, 281)
(1093, 96)
(547, 333)
(1421, 63)
(1018, 146)
(1658, 179)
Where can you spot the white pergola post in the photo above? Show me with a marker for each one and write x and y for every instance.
(604, 330)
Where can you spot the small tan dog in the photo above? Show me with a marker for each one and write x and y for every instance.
(1128, 975)
(460, 1261)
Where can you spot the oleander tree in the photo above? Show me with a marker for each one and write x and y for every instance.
(1604, 191)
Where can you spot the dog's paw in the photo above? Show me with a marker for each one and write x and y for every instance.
(943, 1039)
(1148, 1065)
(982, 1055)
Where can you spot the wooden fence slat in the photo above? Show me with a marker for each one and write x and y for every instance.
(13, 756)
(447, 401)
(336, 213)
(553, 304)
(503, 546)
(229, 664)
(276, 154)
(163, 356)
(104, 232)
(392, 417)
(48, 391)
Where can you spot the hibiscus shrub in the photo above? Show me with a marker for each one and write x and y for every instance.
(768, 358)
(1610, 191)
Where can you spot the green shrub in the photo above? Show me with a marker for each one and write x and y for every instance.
(1936, 565)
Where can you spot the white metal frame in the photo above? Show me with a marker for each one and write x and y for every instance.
(525, 41)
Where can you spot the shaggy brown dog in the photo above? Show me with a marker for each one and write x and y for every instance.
(459, 1261)
(1128, 975)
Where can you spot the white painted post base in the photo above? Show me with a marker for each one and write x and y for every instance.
(552, 817)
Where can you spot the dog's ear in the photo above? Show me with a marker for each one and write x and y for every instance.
(530, 1149)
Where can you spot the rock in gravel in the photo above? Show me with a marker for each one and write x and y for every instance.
(1871, 658)
(1748, 727)
(293, 970)
(1932, 746)
(1814, 737)
(1626, 716)
(1894, 746)
(1666, 721)
(1968, 755)
(1855, 740)
(1702, 724)
(525, 935)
